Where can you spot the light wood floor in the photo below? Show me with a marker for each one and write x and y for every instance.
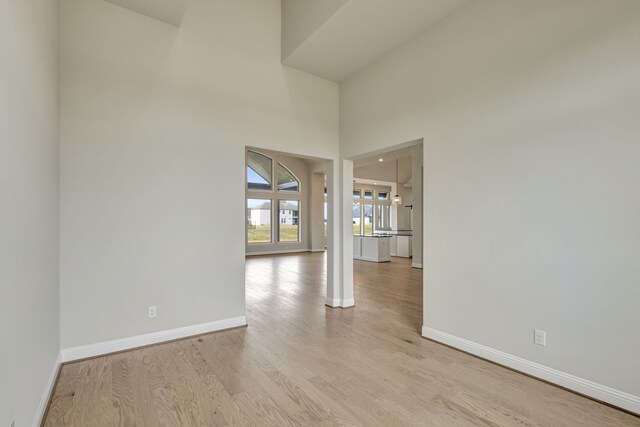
(300, 363)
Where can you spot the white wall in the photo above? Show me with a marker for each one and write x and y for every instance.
(300, 19)
(529, 113)
(29, 210)
(317, 238)
(154, 124)
(403, 215)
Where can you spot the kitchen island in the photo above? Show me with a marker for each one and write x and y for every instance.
(371, 248)
(401, 242)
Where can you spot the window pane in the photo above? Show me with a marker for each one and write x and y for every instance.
(259, 220)
(387, 216)
(286, 180)
(383, 195)
(368, 195)
(259, 169)
(289, 221)
(379, 215)
(356, 194)
(356, 219)
(368, 219)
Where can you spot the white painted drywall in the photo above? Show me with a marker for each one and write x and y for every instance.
(301, 18)
(319, 181)
(530, 118)
(154, 124)
(403, 215)
(169, 11)
(334, 38)
(29, 209)
(317, 238)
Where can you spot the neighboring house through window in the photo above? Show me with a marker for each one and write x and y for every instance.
(265, 202)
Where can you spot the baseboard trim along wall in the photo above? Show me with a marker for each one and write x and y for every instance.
(276, 252)
(597, 391)
(46, 395)
(416, 265)
(98, 349)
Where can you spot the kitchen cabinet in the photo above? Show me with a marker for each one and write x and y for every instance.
(371, 248)
(404, 246)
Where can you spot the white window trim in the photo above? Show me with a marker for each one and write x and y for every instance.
(375, 202)
(274, 196)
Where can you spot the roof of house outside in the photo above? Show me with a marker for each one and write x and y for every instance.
(267, 206)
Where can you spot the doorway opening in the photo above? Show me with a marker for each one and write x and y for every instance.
(386, 207)
(288, 211)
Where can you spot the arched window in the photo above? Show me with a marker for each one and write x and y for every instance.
(259, 171)
(271, 219)
(287, 180)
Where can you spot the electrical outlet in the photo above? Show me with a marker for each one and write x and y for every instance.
(152, 311)
(539, 337)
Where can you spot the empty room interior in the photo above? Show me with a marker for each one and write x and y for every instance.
(319, 213)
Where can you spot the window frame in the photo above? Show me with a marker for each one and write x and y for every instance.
(275, 196)
(361, 190)
(271, 227)
(271, 183)
(280, 223)
(277, 177)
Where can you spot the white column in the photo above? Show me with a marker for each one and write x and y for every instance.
(340, 238)
(334, 240)
(347, 234)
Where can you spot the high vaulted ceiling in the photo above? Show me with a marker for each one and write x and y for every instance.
(336, 38)
(333, 39)
(169, 11)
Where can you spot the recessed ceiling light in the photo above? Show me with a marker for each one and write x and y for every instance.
(381, 160)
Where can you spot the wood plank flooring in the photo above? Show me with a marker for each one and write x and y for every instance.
(299, 363)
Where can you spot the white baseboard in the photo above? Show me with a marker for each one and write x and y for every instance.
(338, 303)
(278, 251)
(318, 250)
(589, 388)
(416, 265)
(362, 258)
(98, 349)
(44, 401)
